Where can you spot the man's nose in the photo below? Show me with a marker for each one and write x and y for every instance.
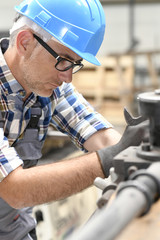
(66, 76)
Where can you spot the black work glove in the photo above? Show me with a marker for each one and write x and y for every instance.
(135, 132)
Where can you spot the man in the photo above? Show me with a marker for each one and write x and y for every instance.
(47, 44)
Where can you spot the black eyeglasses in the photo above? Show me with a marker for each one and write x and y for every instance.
(62, 64)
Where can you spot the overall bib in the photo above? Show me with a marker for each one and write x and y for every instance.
(19, 224)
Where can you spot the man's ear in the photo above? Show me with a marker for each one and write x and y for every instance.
(25, 42)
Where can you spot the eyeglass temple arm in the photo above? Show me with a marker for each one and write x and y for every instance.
(46, 46)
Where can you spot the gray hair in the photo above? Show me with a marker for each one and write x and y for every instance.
(22, 22)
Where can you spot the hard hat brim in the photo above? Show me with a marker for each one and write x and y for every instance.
(87, 56)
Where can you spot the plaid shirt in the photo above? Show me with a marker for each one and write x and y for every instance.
(66, 109)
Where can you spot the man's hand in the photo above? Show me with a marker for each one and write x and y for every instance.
(135, 132)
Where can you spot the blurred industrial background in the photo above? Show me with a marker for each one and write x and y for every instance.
(130, 64)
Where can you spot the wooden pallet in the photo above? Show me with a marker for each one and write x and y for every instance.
(115, 77)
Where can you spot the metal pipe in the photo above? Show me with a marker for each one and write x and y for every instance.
(130, 203)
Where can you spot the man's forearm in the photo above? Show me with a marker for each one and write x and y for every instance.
(41, 184)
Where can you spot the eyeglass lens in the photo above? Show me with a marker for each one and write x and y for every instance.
(64, 65)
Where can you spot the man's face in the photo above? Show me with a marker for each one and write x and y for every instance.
(39, 73)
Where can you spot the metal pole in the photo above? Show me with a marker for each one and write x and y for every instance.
(130, 203)
(131, 24)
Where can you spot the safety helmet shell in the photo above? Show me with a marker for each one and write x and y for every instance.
(78, 24)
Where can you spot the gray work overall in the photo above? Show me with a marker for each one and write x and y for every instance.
(16, 224)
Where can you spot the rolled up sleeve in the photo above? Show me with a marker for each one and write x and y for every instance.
(76, 117)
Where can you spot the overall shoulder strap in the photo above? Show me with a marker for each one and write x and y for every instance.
(36, 113)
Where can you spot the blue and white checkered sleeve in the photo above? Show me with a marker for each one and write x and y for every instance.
(9, 159)
(76, 117)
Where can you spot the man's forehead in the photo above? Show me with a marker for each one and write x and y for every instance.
(67, 52)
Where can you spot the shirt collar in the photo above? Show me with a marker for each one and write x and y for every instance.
(8, 84)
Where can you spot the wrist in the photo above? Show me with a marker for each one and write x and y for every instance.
(106, 156)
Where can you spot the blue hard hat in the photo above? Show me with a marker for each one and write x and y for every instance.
(78, 24)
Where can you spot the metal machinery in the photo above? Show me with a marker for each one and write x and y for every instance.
(134, 180)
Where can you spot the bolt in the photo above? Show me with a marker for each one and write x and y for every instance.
(131, 169)
(146, 147)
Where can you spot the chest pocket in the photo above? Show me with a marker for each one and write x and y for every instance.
(29, 148)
